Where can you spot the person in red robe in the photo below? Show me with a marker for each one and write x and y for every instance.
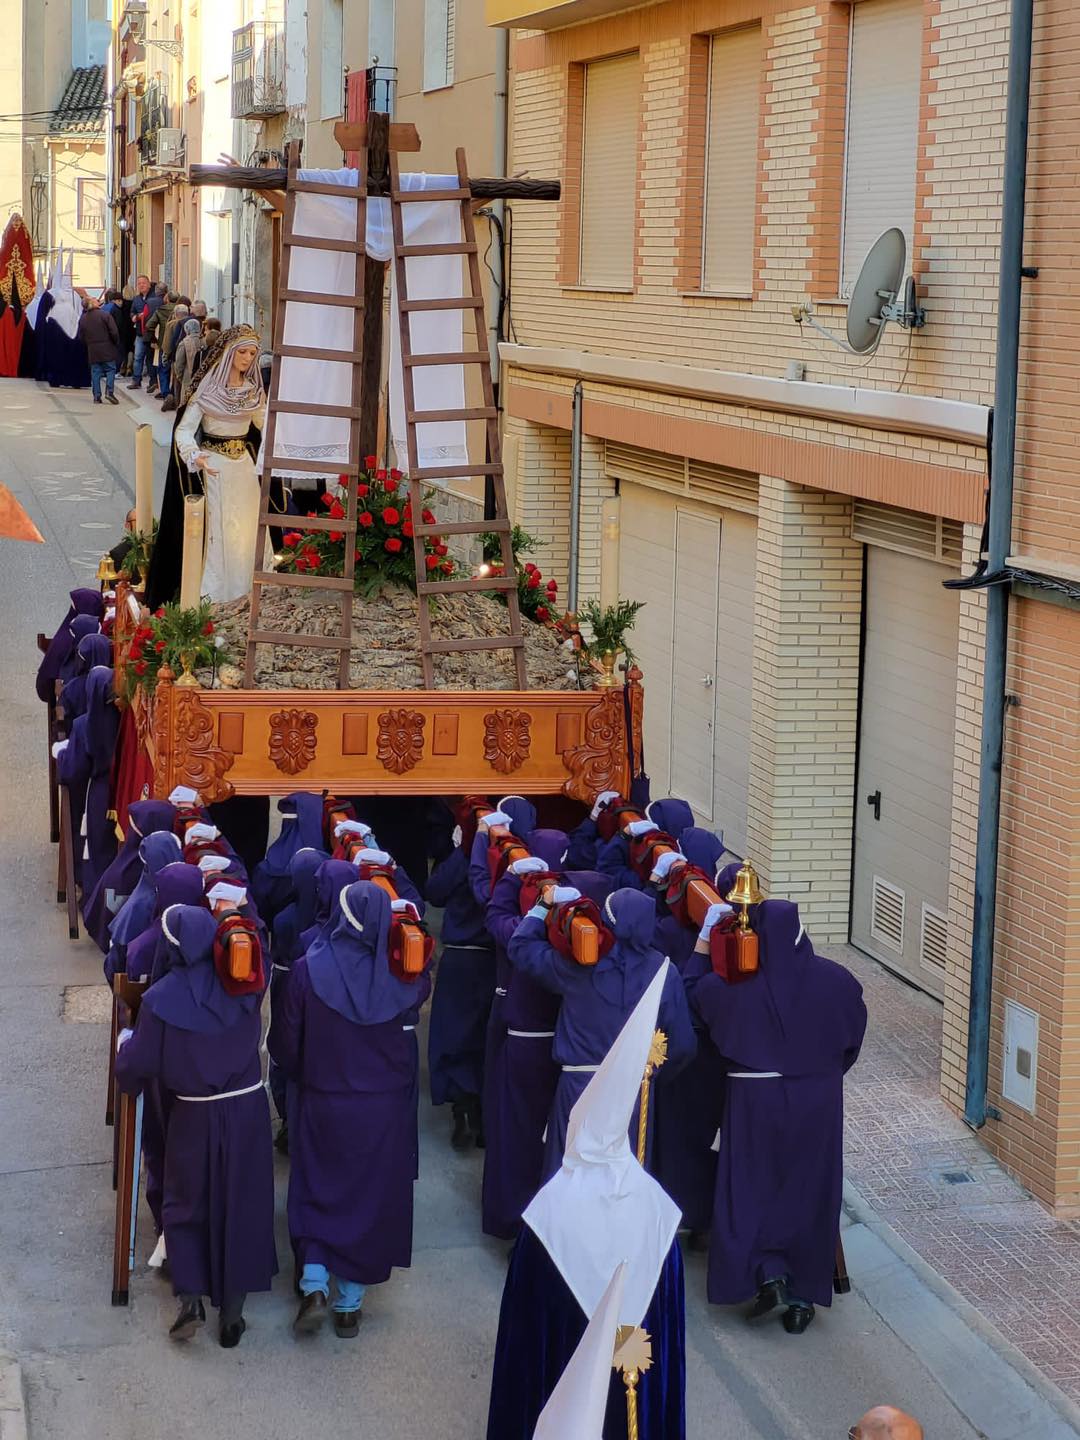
(16, 291)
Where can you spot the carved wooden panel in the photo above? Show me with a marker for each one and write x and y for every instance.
(354, 735)
(401, 739)
(507, 739)
(293, 740)
(184, 749)
(601, 763)
(567, 730)
(230, 731)
(444, 734)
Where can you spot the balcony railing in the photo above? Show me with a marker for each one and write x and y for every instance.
(258, 70)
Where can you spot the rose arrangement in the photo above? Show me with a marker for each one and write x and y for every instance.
(537, 597)
(383, 552)
(174, 637)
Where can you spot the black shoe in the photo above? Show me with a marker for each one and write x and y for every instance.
(229, 1335)
(697, 1242)
(797, 1318)
(461, 1135)
(281, 1140)
(111, 398)
(347, 1323)
(191, 1317)
(770, 1298)
(312, 1313)
(97, 399)
(134, 385)
(476, 1120)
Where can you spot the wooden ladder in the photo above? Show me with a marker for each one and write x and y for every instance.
(342, 642)
(472, 300)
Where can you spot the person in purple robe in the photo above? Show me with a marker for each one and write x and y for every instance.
(84, 765)
(301, 829)
(93, 649)
(80, 629)
(84, 601)
(345, 1035)
(461, 1004)
(613, 857)
(331, 878)
(787, 1035)
(290, 923)
(201, 1044)
(156, 851)
(119, 878)
(597, 999)
(585, 840)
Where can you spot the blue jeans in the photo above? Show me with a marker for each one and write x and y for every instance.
(140, 357)
(163, 379)
(350, 1293)
(98, 370)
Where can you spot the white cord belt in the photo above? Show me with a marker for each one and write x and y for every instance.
(499, 990)
(580, 1069)
(281, 969)
(408, 1027)
(225, 1095)
(754, 1075)
(532, 1034)
(452, 945)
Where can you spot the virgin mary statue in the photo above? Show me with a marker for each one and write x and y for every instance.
(215, 443)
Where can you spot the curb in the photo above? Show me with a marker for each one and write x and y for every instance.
(12, 1400)
(861, 1212)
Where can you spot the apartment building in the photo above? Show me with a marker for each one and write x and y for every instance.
(788, 512)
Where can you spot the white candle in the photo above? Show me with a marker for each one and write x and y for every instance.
(192, 563)
(144, 479)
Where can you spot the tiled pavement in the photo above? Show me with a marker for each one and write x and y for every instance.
(920, 1168)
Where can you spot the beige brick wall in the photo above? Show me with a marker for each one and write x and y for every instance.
(542, 492)
(805, 688)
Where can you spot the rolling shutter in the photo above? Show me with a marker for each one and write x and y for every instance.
(439, 28)
(930, 537)
(731, 165)
(609, 173)
(695, 479)
(882, 127)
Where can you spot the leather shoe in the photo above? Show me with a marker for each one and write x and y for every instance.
(770, 1298)
(281, 1141)
(797, 1318)
(347, 1323)
(191, 1317)
(461, 1135)
(229, 1335)
(168, 403)
(312, 1313)
(111, 398)
(134, 385)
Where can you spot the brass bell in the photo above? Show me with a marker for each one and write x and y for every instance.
(106, 570)
(745, 893)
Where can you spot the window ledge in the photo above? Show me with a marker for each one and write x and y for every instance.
(597, 290)
(715, 295)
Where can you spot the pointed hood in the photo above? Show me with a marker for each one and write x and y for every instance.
(673, 816)
(190, 996)
(350, 968)
(602, 1207)
(578, 1403)
(548, 846)
(522, 814)
(703, 849)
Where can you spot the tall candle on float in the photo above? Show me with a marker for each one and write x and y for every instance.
(192, 561)
(144, 479)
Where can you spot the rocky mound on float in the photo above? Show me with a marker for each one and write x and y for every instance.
(385, 643)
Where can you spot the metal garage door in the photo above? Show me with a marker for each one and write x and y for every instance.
(693, 566)
(904, 797)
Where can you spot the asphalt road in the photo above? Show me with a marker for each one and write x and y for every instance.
(421, 1365)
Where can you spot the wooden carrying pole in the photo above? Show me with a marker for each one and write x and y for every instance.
(251, 177)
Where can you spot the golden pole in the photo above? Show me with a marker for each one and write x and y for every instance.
(657, 1056)
(631, 1406)
(633, 1356)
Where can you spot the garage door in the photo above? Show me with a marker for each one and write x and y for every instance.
(693, 566)
(904, 797)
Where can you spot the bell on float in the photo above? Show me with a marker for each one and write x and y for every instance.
(106, 570)
(746, 892)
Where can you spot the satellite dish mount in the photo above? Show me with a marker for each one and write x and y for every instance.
(880, 294)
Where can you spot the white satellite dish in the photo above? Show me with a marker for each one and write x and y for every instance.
(873, 301)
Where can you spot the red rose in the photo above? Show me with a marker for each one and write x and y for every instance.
(314, 561)
(533, 582)
(343, 481)
(395, 474)
(496, 569)
(440, 548)
(552, 588)
(291, 539)
(208, 628)
(390, 486)
(370, 461)
(357, 556)
(337, 535)
(160, 646)
(380, 474)
(390, 516)
(427, 517)
(529, 567)
(447, 567)
(327, 498)
(365, 518)
(362, 490)
(393, 545)
(311, 515)
(432, 562)
(337, 510)
(160, 612)
(140, 668)
(407, 528)
(542, 612)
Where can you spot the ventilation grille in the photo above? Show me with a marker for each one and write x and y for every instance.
(887, 915)
(930, 537)
(692, 479)
(934, 939)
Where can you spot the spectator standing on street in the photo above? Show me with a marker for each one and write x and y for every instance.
(98, 332)
(126, 326)
(155, 329)
(146, 302)
(185, 363)
(169, 340)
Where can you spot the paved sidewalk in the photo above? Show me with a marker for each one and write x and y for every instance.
(923, 1172)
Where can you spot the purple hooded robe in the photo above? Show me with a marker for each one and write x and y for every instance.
(120, 877)
(83, 602)
(464, 984)
(85, 767)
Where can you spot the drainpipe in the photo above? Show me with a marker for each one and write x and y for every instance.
(998, 547)
(575, 501)
(501, 138)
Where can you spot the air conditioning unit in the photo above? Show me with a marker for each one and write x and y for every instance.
(170, 147)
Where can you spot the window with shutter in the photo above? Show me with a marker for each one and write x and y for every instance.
(609, 173)
(439, 27)
(882, 127)
(332, 97)
(731, 162)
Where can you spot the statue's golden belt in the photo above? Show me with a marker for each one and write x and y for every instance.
(234, 449)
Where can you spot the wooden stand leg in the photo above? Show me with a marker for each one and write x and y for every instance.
(841, 1281)
(128, 1128)
(110, 1093)
(65, 889)
(54, 787)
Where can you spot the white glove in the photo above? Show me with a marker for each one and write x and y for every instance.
(601, 800)
(373, 857)
(200, 831)
(58, 749)
(457, 837)
(405, 908)
(713, 916)
(637, 828)
(110, 613)
(184, 795)
(493, 817)
(225, 894)
(665, 864)
(563, 894)
(123, 1038)
(528, 865)
(353, 827)
(212, 864)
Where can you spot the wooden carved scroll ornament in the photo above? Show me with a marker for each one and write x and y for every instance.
(184, 749)
(401, 740)
(507, 739)
(600, 762)
(293, 740)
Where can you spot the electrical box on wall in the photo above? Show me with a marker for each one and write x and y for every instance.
(1021, 1055)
